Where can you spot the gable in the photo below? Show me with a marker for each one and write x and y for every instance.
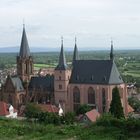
(17, 83)
(9, 85)
(13, 83)
(115, 77)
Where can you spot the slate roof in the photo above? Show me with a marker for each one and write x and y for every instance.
(45, 83)
(24, 47)
(95, 72)
(62, 65)
(17, 83)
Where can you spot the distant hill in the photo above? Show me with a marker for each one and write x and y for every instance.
(45, 49)
(32, 49)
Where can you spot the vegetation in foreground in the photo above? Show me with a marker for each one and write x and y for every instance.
(106, 128)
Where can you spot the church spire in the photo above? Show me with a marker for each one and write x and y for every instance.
(111, 51)
(75, 53)
(24, 47)
(62, 65)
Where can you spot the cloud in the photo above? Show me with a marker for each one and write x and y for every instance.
(93, 21)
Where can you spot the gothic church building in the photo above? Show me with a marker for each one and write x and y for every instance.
(85, 82)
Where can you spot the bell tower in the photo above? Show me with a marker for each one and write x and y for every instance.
(62, 75)
(24, 59)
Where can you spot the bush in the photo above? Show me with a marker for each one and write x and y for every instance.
(135, 103)
(109, 120)
(48, 118)
(126, 126)
(32, 111)
(83, 109)
(69, 118)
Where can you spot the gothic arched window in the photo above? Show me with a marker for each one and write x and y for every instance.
(103, 100)
(91, 97)
(76, 98)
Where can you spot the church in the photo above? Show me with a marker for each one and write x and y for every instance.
(86, 82)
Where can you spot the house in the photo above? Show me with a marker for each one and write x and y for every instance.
(90, 117)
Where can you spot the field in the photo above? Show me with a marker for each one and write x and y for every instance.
(128, 61)
(23, 130)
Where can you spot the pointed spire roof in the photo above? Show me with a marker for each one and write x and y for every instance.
(111, 51)
(75, 53)
(62, 65)
(24, 47)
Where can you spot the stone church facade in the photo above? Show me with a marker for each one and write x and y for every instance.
(84, 82)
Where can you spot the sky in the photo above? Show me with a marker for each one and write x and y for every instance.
(93, 22)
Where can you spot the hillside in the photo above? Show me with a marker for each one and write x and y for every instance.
(23, 130)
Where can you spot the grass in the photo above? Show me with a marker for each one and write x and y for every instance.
(23, 130)
(43, 65)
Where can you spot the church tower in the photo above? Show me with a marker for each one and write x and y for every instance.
(24, 59)
(62, 75)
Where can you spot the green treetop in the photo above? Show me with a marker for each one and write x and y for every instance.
(116, 108)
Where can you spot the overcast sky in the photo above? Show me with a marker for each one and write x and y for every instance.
(94, 22)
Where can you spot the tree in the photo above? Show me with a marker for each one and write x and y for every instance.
(116, 108)
(83, 109)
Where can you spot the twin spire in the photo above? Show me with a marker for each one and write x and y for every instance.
(24, 47)
(62, 65)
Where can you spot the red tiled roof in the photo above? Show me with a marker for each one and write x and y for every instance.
(130, 109)
(93, 115)
(4, 110)
(48, 108)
